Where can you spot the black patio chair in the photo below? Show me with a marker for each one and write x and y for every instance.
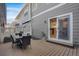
(13, 41)
(26, 40)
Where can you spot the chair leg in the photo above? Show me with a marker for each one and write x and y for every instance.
(12, 45)
(30, 46)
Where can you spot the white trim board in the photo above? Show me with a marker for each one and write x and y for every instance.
(52, 8)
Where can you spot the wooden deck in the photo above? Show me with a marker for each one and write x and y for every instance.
(39, 48)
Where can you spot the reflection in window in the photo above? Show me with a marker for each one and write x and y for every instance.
(26, 14)
(53, 27)
(63, 28)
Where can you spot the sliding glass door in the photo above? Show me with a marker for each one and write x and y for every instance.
(53, 28)
(61, 28)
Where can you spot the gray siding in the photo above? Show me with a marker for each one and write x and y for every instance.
(39, 25)
(42, 6)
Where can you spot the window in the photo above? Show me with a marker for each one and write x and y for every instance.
(64, 27)
(34, 6)
(26, 14)
(16, 24)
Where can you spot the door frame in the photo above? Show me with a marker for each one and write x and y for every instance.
(71, 29)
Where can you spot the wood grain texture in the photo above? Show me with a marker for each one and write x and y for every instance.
(38, 48)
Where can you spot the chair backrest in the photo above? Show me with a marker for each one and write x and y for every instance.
(26, 40)
(12, 38)
(21, 32)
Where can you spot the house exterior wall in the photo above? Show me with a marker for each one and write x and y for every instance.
(37, 30)
(40, 22)
(43, 6)
(22, 18)
(2, 20)
(2, 16)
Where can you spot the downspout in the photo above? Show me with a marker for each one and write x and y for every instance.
(30, 16)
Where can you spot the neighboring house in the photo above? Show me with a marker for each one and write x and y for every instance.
(23, 20)
(2, 19)
(55, 21)
(9, 29)
(2, 16)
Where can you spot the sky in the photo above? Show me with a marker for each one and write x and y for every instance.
(12, 11)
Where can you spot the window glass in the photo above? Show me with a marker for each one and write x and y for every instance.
(64, 27)
(26, 14)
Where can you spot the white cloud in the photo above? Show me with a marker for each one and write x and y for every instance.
(13, 9)
(12, 13)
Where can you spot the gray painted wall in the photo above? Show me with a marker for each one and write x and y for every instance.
(39, 25)
(42, 6)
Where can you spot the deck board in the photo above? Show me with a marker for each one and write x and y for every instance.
(66, 52)
(48, 50)
(61, 50)
(70, 52)
(39, 48)
(74, 52)
(56, 51)
(77, 51)
(62, 53)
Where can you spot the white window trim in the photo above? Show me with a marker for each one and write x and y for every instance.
(71, 29)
